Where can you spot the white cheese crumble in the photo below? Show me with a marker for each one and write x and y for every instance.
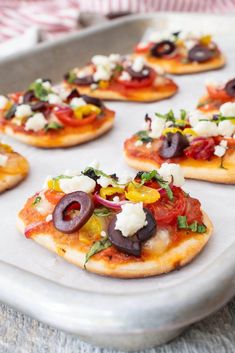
(77, 102)
(104, 181)
(49, 218)
(138, 64)
(93, 86)
(115, 58)
(46, 85)
(44, 206)
(3, 160)
(164, 235)
(226, 128)
(169, 171)
(54, 98)
(206, 128)
(219, 151)
(36, 122)
(3, 102)
(130, 219)
(149, 145)
(138, 143)
(103, 234)
(157, 127)
(228, 109)
(125, 178)
(195, 116)
(142, 45)
(77, 183)
(125, 76)
(116, 199)
(102, 73)
(23, 110)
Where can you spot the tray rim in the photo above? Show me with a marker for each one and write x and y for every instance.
(157, 309)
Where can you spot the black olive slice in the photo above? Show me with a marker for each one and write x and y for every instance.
(200, 54)
(28, 96)
(230, 88)
(173, 145)
(145, 72)
(162, 48)
(132, 245)
(91, 174)
(75, 223)
(128, 245)
(83, 81)
(149, 230)
(92, 100)
(73, 94)
(38, 106)
(11, 112)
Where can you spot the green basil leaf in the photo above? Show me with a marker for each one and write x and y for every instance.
(147, 176)
(102, 212)
(71, 77)
(119, 68)
(40, 91)
(97, 247)
(182, 222)
(194, 227)
(36, 200)
(53, 125)
(143, 136)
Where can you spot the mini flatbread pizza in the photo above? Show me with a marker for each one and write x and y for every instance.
(118, 226)
(217, 94)
(204, 146)
(181, 52)
(49, 116)
(120, 78)
(13, 167)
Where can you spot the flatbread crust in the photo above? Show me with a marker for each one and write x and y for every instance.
(69, 136)
(201, 170)
(138, 95)
(8, 181)
(175, 67)
(173, 258)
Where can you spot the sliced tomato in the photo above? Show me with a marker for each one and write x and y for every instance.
(201, 148)
(166, 211)
(143, 48)
(193, 210)
(53, 196)
(66, 116)
(216, 93)
(139, 83)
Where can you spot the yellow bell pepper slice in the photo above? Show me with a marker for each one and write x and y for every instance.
(110, 190)
(189, 131)
(87, 109)
(205, 40)
(172, 130)
(103, 84)
(90, 232)
(141, 193)
(54, 184)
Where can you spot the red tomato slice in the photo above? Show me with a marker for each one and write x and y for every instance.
(219, 94)
(193, 210)
(66, 116)
(143, 49)
(139, 83)
(166, 211)
(53, 196)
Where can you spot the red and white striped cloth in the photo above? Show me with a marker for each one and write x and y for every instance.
(56, 17)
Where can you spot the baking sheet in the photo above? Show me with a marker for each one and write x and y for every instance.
(217, 200)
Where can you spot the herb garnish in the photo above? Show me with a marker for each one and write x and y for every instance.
(143, 136)
(147, 176)
(71, 76)
(53, 125)
(97, 247)
(36, 200)
(102, 212)
(170, 116)
(194, 227)
(40, 91)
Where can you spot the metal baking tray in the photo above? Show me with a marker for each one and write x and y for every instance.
(123, 314)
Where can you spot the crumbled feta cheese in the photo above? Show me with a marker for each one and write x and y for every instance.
(61, 92)
(171, 170)
(138, 143)
(103, 234)
(219, 151)
(116, 199)
(3, 160)
(23, 110)
(130, 219)
(77, 183)
(164, 235)
(100, 60)
(49, 218)
(206, 128)
(143, 45)
(125, 76)
(114, 58)
(224, 143)
(36, 122)
(44, 206)
(156, 37)
(54, 98)
(3, 102)
(125, 178)
(190, 43)
(228, 109)
(93, 86)
(46, 85)
(102, 73)
(195, 116)
(138, 64)
(105, 181)
(149, 145)
(226, 128)
(77, 102)
(157, 127)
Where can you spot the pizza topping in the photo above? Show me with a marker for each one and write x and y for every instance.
(201, 148)
(171, 172)
(72, 212)
(162, 49)
(200, 54)
(92, 100)
(77, 183)
(173, 145)
(140, 193)
(220, 149)
(23, 110)
(77, 102)
(36, 123)
(230, 88)
(228, 109)
(194, 227)
(130, 219)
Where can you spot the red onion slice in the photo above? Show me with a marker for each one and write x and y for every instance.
(110, 204)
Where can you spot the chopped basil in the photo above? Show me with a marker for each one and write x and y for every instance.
(119, 68)
(143, 136)
(71, 77)
(147, 176)
(102, 212)
(53, 125)
(98, 173)
(97, 247)
(40, 91)
(168, 116)
(36, 200)
(194, 227)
